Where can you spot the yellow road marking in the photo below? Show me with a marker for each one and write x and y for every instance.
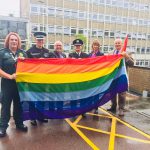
(89, 142)
(78, 119)
(112, 134)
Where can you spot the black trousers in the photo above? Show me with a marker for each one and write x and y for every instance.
(9, 94)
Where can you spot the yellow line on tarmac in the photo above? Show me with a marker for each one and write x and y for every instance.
(78, 119)
(131, 138)
(112, 134)
(92, 129)
(89, 142)
(104, 116)
(127, 124)
(134, 128)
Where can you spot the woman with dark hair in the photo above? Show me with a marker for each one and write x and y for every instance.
(8, 59)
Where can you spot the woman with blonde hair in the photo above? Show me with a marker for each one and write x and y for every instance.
(8, 60)
(95, 53)
(95, 49)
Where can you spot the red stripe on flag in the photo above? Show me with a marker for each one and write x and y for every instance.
(125, 44)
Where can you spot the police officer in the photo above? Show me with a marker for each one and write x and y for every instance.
(38, 51)
(8, 60)
(78, 45)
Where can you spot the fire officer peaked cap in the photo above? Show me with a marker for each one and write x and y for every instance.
(39, 35)
(77, 42)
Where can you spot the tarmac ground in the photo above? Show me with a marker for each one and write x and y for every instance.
(103, 131)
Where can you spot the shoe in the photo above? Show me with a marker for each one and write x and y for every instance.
(43, 120)
(121, 112)
(33, 122)
(2, 133)
(22, 128)
(113, 110)
(84, 115)
(96, 111)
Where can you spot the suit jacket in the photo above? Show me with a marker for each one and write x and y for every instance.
(97, 54)
(129, 61)
(75, 55)
(55, 54)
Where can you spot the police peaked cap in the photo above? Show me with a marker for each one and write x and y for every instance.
(40, 35)
(77, 42)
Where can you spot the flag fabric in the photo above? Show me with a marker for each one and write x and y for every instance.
(64, 88)
(125, 44)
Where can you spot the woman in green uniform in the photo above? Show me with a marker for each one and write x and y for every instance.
(8, 60)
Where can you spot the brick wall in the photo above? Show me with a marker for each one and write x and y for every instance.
(139, 79)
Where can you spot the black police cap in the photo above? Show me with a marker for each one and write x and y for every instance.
(77, 42)
(40, 35)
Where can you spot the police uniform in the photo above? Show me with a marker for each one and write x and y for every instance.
(78, 54)
(9, 89)
(35, 52)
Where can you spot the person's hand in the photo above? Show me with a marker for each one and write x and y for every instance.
(20, 57)
(124, 54)
(12, 76)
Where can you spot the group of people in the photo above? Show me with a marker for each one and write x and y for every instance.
(8, 60)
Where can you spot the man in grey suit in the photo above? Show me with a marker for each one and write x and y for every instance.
(121, 96)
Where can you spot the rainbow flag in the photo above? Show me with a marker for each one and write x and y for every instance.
(63, 88)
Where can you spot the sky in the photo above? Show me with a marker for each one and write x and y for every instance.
(9, 7)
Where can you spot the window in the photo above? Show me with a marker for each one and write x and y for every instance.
(112, 34)
(51, 46)
(51, 11)
(42, 28)
(34, 9)
(51, 29)
(143, 50)
(82, 15)
(67, 13)
(58, 29)
(100, 33)
(94, 33)
(106, 33)
(101, 18)
(34, 28)
(42, 10)
(148, 50)
(138, 50)
(59, 12)
(113, 18)
(81, 31)
(73, 31)
(66, 31)
(107, 18)
(74, 14)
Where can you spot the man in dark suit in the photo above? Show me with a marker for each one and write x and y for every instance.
(58, 50)
(121, 96)
(78, 44)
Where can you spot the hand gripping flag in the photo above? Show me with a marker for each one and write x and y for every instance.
(63, 88)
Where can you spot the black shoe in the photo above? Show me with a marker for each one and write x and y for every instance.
(33, 122)
(22, 128)
(84, 115)
(43, 120)
(2, 133)
(113, 110)
(96, 111)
